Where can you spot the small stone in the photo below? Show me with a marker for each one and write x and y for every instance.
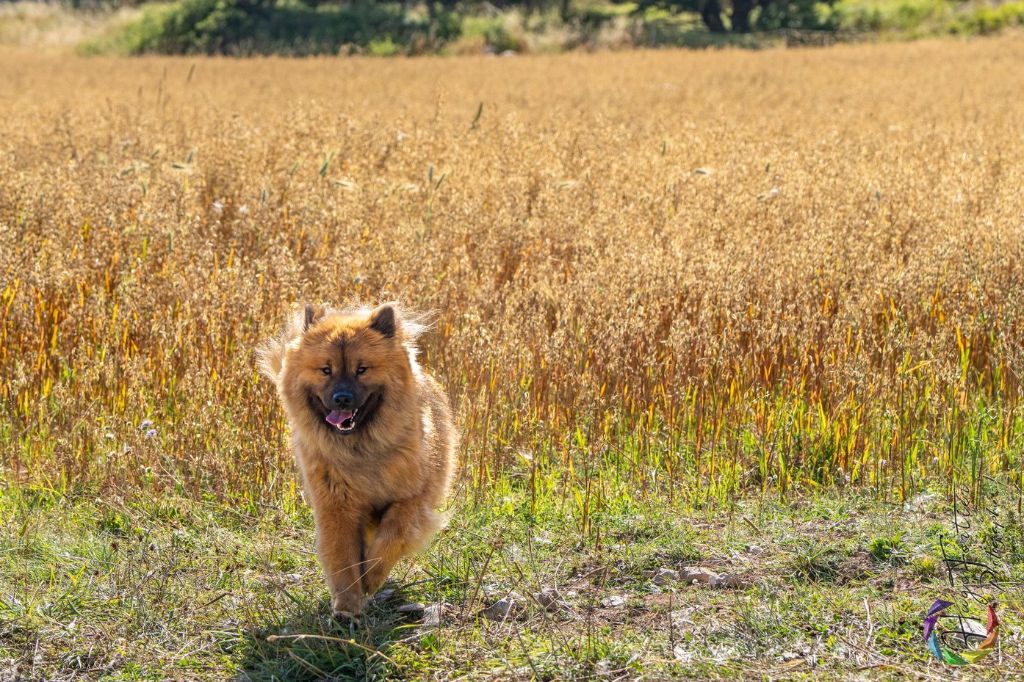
(681, 654)
(414, 607)
(549, 599)
(384, 595)
(682, 619)
(613, 602)
(789, 655)
(664, 576)
(432, 615)
(502, 609)
(921, 502)
(755, 549)
(692, 574)
(727, 580)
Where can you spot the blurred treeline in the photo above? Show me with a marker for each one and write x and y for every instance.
(388, 27)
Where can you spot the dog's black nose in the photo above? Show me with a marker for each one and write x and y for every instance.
(343, 398)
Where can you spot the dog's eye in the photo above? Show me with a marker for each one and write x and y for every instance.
(360, 370)
(326, 370)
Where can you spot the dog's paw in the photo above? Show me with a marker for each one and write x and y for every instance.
(347, 618)
(347, 605)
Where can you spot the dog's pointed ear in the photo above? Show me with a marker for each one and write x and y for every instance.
(313, 313)
(384, 320)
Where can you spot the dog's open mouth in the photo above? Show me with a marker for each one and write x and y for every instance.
(343, 420)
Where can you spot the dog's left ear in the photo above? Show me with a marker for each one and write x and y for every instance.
(384, 320)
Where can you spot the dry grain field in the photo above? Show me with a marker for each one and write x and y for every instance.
(758, 311)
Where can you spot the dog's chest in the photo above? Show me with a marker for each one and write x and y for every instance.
(374, 483)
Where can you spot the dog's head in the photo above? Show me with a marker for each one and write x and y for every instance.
(340, 367)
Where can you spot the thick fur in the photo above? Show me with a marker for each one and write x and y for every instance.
(374, 491)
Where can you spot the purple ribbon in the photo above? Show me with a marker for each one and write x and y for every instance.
(933, 616)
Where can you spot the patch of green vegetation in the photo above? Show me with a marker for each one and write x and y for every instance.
(815, 561)
(926, 566)
(796, 15)
(887, 549)
(385, 47)
(493, 33)
(919, 18)
(151, 589)
(890, 15)
(659, 28)
(245, 27)
(985, 19)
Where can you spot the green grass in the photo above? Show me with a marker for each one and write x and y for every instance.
(143, 588)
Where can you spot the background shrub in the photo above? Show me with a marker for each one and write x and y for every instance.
(242, 27)
(887, 15)
(985, 19)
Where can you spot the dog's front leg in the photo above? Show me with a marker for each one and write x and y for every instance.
(339, 544)
(406, 527)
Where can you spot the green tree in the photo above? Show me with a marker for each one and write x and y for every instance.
(773, 14)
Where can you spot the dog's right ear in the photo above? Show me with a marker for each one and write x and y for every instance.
(313, 313)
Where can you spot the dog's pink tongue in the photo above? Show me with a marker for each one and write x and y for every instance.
(336, 417)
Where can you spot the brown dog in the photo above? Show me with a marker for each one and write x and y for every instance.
(373, 437)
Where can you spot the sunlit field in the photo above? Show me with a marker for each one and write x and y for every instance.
(684, 302)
